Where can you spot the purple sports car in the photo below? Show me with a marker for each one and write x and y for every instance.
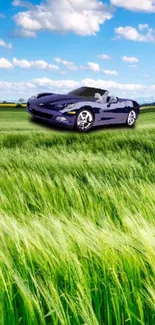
(83, 108)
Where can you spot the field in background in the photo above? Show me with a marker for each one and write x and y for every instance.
(12, 105)
(77, 223)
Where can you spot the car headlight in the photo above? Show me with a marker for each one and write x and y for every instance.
(71, 112)
(70, 106)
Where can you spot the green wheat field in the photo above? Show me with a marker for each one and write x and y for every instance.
(77, 223)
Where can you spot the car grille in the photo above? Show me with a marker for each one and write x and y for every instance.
(41, 114)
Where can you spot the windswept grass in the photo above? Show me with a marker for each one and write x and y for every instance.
(77, 224)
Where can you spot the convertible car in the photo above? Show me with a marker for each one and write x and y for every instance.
(83, 108)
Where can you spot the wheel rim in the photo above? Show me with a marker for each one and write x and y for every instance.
(84, 120)
(131, 118)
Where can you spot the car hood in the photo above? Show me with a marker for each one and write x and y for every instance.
(61, 99)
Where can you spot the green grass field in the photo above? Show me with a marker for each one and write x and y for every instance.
(77, 223)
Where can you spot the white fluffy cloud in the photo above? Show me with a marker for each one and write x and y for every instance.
(55, 85)
(135, 5)
(130, 59)
(143, 26)
(49, 84)
(110, 72)
(104, 57)
(77, 16)
(133, 34)
(43, 65)
(68, 64)
(5, 64)
(6, 45)
(37, 64)
(24, 33)
(91, 66)
(13, 90)
(113, 86)
(63, 73)
(17, 3)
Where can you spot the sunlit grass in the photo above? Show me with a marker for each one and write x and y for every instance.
(77, 224)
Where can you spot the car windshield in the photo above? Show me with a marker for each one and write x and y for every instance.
(86, 92)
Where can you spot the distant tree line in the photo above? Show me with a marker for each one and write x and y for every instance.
(20, 101)
(18, 104)
(148, 104)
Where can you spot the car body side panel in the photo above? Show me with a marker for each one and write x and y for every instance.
(116, 112)
(104, 113)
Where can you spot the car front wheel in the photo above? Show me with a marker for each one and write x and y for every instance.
(84, 120)
(131, 119)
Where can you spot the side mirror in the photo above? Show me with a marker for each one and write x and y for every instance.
(113, 99)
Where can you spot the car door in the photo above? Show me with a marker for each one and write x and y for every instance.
(112, 112)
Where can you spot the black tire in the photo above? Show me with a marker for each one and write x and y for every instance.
(84, 127)
(131, 118)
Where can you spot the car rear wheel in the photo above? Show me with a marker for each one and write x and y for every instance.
(131, 119)
(84, 120)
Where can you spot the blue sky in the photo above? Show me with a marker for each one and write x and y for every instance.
(63, 44)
